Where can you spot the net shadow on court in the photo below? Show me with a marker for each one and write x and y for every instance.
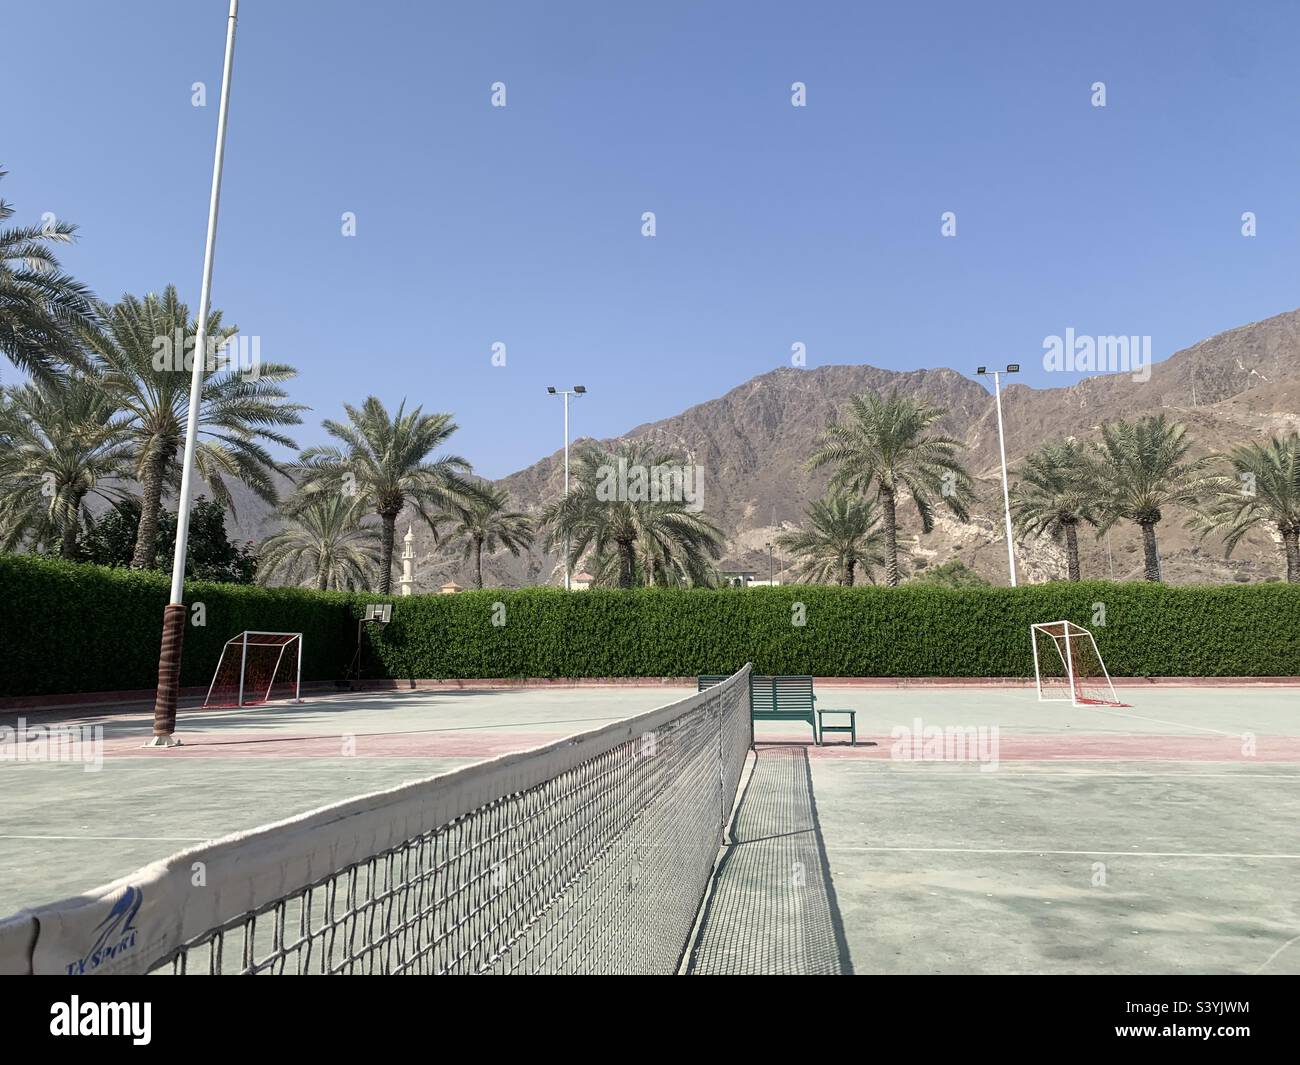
(773, 909)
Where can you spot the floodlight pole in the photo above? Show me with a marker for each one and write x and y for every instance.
(1002, 448)
(169, 661)
(567, 577)
(577, 390)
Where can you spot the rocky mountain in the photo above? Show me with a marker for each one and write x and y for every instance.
(753, 443)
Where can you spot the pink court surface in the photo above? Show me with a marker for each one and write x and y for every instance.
(972, 829)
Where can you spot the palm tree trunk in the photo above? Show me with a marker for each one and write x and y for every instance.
(1291, 543)
(387, 534)
(626, 563)
(891, 538)
(1072, 551)
(478, 562)
(1152, 553)
(146, 537)
(323, 572)
(68, 547)
(850, 570)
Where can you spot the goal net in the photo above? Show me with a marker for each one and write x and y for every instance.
(1068, 666)
(257, 667)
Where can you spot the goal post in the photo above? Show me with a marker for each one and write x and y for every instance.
(257, 667)
(1068, 667)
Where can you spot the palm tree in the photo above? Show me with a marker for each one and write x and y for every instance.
(327, 544)
(1141, 468)
(683, 560)
(885, 446)
(41, 308)
(487, 523)
(644, 531)
(62, 442)
(843, 533)
(237, 411)
(385, 463)
(655, 564)
(1056, 491)
(1264, 491)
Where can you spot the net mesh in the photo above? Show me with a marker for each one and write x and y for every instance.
(256, 667)
(1069, 666)
(589, 855)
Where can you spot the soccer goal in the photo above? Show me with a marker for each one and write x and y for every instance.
(1068, 666)
(257, 667)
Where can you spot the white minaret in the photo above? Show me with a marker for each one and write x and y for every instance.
(407, 580)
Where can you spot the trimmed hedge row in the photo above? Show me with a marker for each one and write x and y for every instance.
(66, 627)
(913, 631)
(72, 628)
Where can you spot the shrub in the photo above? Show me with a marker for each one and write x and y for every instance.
(73, 627)
(70, 627)
(917, 630)
(952, 574)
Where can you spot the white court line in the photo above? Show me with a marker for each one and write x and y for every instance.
(1042, 851)
(1029, 769)
(1241, 775)
(1160, 721)
(145, 729)
(121, 839)
(1264, 965)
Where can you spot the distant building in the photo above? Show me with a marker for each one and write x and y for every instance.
(451, 588)
(580, 582)
(737, 578)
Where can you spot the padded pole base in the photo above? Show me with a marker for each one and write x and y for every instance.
(169, 671)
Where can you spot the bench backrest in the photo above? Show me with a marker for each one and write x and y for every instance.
(761, 697)
(771, 695)
(793, 693)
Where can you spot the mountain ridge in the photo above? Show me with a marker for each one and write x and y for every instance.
(754, 439)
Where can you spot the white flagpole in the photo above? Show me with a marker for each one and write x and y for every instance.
(164, 721)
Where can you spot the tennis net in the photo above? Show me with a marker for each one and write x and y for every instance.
(589, 855)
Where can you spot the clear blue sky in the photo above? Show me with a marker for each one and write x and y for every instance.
(775, 224)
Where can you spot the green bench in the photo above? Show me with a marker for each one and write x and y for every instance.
(786, 699)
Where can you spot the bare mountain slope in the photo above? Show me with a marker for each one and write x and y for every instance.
(753, 443)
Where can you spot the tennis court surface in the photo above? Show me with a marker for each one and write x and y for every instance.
(971, 830)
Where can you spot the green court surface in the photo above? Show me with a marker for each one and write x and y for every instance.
(67, 829)
(1065, 868)
(1040, 838)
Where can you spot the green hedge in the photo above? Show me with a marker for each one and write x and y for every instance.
(66, 627)
(913, 631)
(70, 628)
